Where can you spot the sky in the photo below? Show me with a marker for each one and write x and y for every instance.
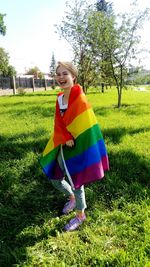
(30, 38)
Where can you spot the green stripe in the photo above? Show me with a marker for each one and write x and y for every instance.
(45, 160)
(83, 142)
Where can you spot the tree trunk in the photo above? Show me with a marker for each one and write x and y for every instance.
(120, 86)
(84, 89)
(119, 97)
(102, 87)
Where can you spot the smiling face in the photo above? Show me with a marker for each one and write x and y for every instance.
(64, 78)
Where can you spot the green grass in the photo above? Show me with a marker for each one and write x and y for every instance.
(117, 230)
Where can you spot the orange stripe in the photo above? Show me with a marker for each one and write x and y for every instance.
(76, 108)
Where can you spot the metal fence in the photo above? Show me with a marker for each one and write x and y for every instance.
(13, 82)
(5, 83)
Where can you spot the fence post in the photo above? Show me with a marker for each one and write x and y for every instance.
(33, 84)
(45, 84)
(14, 85)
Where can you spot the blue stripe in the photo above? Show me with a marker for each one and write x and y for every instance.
(49, 169)
(92, 155)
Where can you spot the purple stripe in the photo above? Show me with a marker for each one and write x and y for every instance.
(105, 163)
(58, 173)
(53, 171)
(91, 174)
(90, 156)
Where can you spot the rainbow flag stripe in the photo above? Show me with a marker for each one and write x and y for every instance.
(85, 162)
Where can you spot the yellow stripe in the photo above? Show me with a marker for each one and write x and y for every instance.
(82, 122)
(49, 146)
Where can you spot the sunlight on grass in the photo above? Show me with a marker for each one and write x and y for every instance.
(117, 230)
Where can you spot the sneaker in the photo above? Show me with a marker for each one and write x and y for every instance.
(69, 206)
(74, 223)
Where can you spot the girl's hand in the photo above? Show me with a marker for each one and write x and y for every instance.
(70, 143)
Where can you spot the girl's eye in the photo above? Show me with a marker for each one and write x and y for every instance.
(63, 74)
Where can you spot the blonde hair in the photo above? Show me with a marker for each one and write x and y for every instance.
(70, 67)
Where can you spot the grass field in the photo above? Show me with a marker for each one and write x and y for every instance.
(117, 230)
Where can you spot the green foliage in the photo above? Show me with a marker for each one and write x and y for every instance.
(116, 232)
(104, 7)
(4, 61)
(138, 77)
(74, 29)
(103, 44)
(53, 65)
(53, 70)
(2, 25)
(36, 72)
(11, 71)
(6, 70)
(114, 44)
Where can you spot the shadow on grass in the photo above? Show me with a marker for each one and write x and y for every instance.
(103, 111)
(114, 135)
(136, 109)
(27, 198)
(126, 182)
(23, 216)
(30, 111)
(128, 109)
(16, 147)
(29, 201)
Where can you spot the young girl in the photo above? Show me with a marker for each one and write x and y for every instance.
(76, 149)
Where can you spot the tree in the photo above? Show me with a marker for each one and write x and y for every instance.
(74, 29)
(4, 61)
(104, 10)
(138, 76)
(36, 72)
(103, 44)
(126, 34)
(52, 66)
(53, 70)
(2, 25)
(117, 41)
(105, 7)
(6, 70)
(11, 71)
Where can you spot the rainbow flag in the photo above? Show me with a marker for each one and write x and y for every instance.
(87, 160)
